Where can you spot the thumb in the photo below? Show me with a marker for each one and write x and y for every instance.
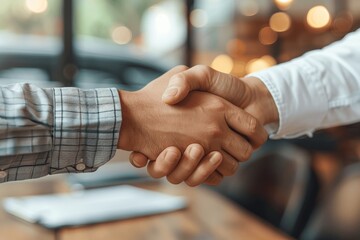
(180, 84)
(138, 159)
(204, 78)
(177, 89)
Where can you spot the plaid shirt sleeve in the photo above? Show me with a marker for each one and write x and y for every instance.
(59, 130)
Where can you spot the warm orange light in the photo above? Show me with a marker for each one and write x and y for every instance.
(239, 68)
(37, 6)
(259, 64)
(267, 36)
(318, 17)
(121, 35)
(269, 60)
(198, 18)
(283, 4)
(223, 63)
(280, 22)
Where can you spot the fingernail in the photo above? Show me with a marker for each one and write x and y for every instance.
(170, 92)
(195, 153)
(215, 158)
(133, 161)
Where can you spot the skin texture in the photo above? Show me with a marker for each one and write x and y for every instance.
(201, 117)
(248, 94)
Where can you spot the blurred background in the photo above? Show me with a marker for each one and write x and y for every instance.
(126, 44)
(233, 36)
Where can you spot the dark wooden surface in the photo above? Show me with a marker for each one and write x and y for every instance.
(209, 216)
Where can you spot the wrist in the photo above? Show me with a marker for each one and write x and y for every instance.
(263, 106)
(129, 103)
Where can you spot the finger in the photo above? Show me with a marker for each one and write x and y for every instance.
(138, 160)
(238, 147)
(247, 125)
(228, 166)
(164, 163)
(188, 163)
(205, 168)
(181, 84)
(214, 179)
(204, 78)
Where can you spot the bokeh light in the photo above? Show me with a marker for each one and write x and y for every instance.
(198, 18)
(239, 68)
(223, 63)
(318, 17)
(280, 22)
(259, 64)
(37, 6)
(163, 28)
(283, 4)
(267, 36)
(121, 35)
(269, 60)
(249, 8)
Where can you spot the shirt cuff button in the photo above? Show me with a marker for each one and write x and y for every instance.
(80, 167)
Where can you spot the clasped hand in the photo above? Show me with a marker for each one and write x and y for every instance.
(191, 136)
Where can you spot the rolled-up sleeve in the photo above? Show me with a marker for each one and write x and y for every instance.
(58, 130)
(318, 90)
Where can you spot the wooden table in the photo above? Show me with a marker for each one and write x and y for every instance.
(209, 216)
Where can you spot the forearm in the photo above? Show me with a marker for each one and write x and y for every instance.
(318, 90)
(46, 131)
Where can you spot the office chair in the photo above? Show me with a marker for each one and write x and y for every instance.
(277, 184)
(339, 217)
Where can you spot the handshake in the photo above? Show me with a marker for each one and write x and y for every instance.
(195, 125)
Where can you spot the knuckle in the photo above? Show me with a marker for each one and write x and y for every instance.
(215, 131)
(218, 104)
(177, 78)
(205, 73)
(252, 124)
(234, 168)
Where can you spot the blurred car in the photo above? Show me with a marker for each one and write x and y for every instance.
(98, 63)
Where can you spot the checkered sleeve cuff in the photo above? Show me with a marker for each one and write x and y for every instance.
(86, 129)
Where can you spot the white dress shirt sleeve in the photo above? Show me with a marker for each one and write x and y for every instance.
(317, 90)
(60, 130)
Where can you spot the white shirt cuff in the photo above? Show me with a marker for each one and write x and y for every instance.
(299, 95)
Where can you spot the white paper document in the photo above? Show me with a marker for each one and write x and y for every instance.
(92, 206)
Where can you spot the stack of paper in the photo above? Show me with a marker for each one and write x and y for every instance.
(92, 206)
